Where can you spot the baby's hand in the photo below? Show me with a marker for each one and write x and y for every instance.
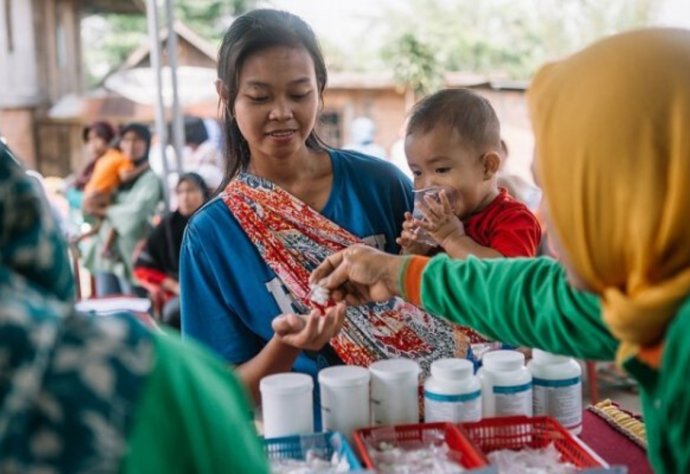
(439, 219)
(408, 240)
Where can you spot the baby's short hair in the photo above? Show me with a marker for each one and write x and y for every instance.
(464, 112)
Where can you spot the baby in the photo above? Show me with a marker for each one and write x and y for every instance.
(453, 148)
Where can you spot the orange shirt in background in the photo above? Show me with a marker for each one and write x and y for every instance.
(106, 173)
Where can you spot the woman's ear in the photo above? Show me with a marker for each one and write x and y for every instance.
(492, 162)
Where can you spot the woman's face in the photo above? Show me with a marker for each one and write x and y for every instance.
(277, 101)
(133, 145)
(189, 198)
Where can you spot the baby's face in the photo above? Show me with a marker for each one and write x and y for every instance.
(438, 158)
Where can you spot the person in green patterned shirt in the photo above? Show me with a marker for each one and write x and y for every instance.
(88, 393)
(613, 158)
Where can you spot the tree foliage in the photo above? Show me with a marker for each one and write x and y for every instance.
(504, 38)
(112, 37)
(414, 64)
(422, 38)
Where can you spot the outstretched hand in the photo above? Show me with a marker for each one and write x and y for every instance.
(309, 332)
(359, 274)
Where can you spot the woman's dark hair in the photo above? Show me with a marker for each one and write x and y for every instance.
(196, 180)
(102, 129)
(251, 33)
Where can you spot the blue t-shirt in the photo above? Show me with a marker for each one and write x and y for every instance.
(230, 296)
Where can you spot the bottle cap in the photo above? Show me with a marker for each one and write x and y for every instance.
(452, 369)
(503, 360)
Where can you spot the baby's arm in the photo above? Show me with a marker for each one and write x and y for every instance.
(127, 175)
(463, 246)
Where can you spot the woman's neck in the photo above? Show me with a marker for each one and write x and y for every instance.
(308, 177)
(284, 171)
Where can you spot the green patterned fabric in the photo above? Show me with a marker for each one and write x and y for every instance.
(30, 239)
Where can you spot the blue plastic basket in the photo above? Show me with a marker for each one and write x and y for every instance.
(325, 444)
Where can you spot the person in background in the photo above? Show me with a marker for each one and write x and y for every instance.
(87, 393)
(111, 170)
(202, 155)
(362, 133)
(616, 201)
(453, 143)
(518, 187)
(397, 155)
(129, 214)
(157, 265)
(289, 201)
(97, 138)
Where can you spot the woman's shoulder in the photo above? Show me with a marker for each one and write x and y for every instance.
(211, 217)
(363, 166)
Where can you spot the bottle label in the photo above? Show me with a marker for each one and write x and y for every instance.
(513, 399)
(560, 399)
(452, 408)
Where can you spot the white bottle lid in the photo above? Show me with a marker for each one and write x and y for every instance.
(543, 357)
(344, 376)
(452, 369)
(287, 383)
(503, 360)
(395, 369)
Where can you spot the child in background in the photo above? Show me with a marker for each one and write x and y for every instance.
(453, 142)
(112, 169)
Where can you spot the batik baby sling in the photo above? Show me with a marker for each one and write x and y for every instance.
(292, 238)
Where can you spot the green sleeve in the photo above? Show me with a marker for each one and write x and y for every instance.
(519, 301)
(667, 411)
(193, 417)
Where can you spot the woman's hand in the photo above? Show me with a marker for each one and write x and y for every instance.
(359, 274)
(310, 332)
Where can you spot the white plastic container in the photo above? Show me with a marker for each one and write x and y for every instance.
(557, 385)
(506, 384)
(394, 389)
(344, 398)
(287, 404)
(452, 393)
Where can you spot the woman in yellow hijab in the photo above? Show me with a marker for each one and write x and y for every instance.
(612, 127)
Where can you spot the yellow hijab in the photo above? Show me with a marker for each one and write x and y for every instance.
(612, 127)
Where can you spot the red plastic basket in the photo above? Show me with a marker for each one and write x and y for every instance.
(414, 436)
(519, 432)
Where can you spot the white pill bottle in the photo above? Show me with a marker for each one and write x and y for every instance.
(452, 393)
(287, 404)
(506, 384)
(394, 392)
(557, 388)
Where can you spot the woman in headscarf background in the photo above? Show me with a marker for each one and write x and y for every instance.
(130, 213)
(613, 159)
(158, 264)
(100, 393)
